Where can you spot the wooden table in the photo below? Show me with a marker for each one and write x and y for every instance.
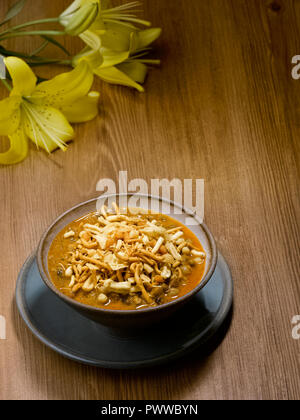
(222, 107)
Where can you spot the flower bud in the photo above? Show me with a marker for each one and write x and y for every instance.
(80, 20)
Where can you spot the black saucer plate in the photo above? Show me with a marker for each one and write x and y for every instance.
(77, 338)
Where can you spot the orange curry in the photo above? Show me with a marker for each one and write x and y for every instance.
(126, 260)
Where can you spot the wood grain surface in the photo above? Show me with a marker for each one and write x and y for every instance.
(222, 107)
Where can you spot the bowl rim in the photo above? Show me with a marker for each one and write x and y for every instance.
(129, 312)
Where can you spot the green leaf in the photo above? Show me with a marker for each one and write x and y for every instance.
(7, 53)
(55, 42)
(13, 11)
(135, 70)
(41, 63)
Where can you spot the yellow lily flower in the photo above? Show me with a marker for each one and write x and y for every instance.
(43, 112)
(120, 15)
(114, 34)
(90, 19)
(121, 44)
(122, 56)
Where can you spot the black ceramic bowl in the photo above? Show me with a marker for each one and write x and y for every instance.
(132, 318)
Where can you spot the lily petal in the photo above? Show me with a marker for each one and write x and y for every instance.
(18, 148)
(9, 114)
(84, 109)
(67, 14)
(46, 126)
(135, 70)
(116, 37)
(93, 58)
(111, 58)
(117, 77)
(23, 78)
(65, 88)
(146, 37)
(91, 39)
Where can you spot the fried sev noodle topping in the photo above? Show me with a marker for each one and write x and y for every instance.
(130, 255)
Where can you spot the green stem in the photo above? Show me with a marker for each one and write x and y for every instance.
(39, 49)
(33, 22)
(29, 33)
(140, 60)
(35, 60)
(50, 61)
(6, 84)
(65, 62)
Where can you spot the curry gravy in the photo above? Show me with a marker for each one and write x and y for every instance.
(63, 246)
